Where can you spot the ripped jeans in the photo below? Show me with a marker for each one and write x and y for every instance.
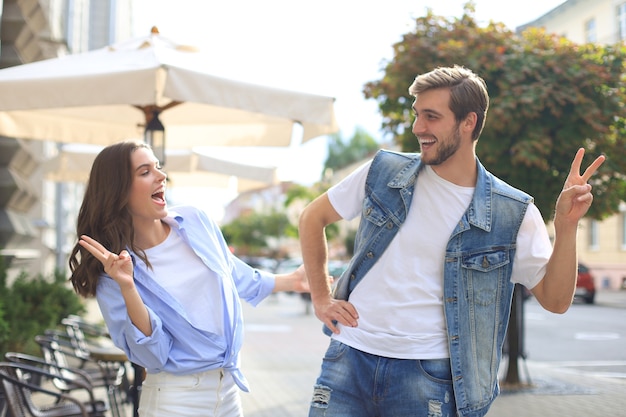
(357, 384)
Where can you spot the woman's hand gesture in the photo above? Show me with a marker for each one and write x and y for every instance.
(119, 267)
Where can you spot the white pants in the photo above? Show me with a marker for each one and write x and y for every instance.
(207, 394)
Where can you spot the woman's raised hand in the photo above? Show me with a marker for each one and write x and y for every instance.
(119, 267)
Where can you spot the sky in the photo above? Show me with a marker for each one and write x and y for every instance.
(327, 47)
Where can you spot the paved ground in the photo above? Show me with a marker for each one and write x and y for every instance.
(284, 346)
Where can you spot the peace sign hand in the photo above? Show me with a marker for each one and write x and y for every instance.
(119, 267)
(576, 197)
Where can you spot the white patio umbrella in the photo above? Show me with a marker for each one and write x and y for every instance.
(185, 168)
(107, 95)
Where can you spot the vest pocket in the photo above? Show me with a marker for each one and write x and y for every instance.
(482, 274)
(486, 260)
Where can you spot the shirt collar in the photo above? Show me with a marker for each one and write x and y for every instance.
(174, 219)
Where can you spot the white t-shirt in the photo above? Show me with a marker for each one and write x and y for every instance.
(182, 273)
(399, 300)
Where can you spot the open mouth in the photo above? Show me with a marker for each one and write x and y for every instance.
(159, 196)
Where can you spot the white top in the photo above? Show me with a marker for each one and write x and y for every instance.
(194, 285)
(407, 281)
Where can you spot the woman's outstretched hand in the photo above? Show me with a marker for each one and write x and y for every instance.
(295, 281)
(301, 283)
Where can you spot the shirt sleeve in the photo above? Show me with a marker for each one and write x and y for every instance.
(252, 285)
(347, 196)
(148, 351)
(533, 249)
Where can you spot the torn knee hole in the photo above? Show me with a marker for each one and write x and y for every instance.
(321, 395)
(434, 408)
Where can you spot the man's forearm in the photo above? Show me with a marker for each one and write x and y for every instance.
(559, 283)
(315, 257)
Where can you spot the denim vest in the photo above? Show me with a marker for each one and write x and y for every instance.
(477, 271)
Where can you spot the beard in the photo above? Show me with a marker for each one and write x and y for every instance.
(445, 149)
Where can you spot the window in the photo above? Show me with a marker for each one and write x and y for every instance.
(623, 215)
(621, 22)
(590, 31)
(594, 243)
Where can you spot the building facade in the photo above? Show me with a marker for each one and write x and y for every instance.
(582, 21)
(37, 216)
(602, 244)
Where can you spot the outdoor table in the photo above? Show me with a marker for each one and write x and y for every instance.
(111, 358)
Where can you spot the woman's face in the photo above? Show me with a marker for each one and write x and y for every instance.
(146, 201)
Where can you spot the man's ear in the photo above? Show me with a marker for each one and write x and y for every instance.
(469, 123)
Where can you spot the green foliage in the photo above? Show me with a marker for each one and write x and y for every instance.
(30, 306)
(349, 242)
(549, 97)
(297, 192)
(342, 154)
(306, 195)
(249, 233)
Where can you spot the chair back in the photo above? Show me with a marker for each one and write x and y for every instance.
(62, 378)
(75, 334)
(52, 351)
(15, 380)
(89, 330)
(3, 404)
(16, 383)
(14, 402)
(61, 354)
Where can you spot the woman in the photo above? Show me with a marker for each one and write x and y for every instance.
(168, 287)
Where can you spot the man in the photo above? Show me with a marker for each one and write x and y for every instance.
(419, 317)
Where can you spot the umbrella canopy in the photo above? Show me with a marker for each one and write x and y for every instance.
(184, 168)
(107, 95)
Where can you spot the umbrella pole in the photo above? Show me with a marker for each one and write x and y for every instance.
(154, 131)
(59, 222)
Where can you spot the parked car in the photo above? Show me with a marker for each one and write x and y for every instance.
(585, 285)
(287, 265)
(260, 262)
(336, 268)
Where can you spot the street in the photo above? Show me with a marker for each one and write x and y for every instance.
(589, 337)
(283, 349)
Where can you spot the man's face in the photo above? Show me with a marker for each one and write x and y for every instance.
(436, 128)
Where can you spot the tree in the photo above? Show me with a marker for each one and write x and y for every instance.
(342, 154)
(250, 232)
(305, 195)
(549, 97)
(30, 305)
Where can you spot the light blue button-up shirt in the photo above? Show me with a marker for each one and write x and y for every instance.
(175, 345)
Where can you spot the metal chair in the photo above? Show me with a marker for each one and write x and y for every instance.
(88, 329)
(86, 337)
(21, 382)
(110, 374)
(72, 379)
(83, 334)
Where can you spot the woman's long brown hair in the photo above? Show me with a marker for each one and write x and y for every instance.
(104, 215)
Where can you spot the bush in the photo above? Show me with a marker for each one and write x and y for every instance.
(30, 306)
